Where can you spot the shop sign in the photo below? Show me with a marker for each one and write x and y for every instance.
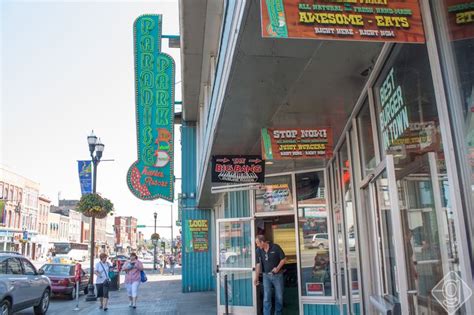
(394, 113)
(460, 18)
(151, 176)
(419, 137)
(238, 169)
(197, 235)
(85, 176)
(360, 20)
(297, 143)
(315, 288)
(274, 197)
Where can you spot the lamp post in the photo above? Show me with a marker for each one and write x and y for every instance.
(154, 244)
(95, 146)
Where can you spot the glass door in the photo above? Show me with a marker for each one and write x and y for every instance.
(236, 293)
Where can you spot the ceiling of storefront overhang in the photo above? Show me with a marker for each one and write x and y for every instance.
(287, 83)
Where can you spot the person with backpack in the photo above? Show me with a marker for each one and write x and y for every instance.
(133, 278)
(102, 280)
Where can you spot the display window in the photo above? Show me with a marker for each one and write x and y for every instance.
(275, 196)
(314, 233)
(409, 130)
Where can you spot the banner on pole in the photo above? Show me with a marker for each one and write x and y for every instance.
(85, 176)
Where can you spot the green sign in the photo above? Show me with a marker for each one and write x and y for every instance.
(141, 226)
(196, 234)
(151, 176)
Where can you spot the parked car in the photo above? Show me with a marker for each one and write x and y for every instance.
(63, 279)
(22, 286)
(318, 240)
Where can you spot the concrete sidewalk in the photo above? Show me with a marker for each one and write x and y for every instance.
(160, 295)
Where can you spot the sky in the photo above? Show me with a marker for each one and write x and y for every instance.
(67, 67)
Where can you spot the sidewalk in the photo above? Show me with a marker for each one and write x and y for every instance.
(160, 295)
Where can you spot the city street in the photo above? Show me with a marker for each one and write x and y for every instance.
(160, 295)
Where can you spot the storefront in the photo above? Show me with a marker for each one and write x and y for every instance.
(382, 219)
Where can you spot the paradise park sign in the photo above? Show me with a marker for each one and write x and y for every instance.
(362, 20)
(151, 176)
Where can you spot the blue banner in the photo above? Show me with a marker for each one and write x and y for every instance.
(85, 176)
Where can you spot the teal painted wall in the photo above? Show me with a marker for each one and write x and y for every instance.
(237, 205)
(196, 266)
(320, 309)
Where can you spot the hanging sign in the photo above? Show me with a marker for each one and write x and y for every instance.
(85, 176)
(361, 20)
(460, 14)
(151, 176)
(238, 169)
(297, 143)
(197, 236)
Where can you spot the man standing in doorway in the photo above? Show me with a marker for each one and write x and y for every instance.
(270, 261)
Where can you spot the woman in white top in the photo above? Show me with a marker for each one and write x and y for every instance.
(102, 281)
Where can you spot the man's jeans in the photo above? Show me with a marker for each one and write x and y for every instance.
(276, 281)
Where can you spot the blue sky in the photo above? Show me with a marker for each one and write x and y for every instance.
(67, 68)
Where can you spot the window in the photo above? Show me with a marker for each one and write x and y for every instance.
(410, 131)
(28, 267)
(276, 196)
(455, 34)
(14, 267)
(313, 231)
(366, 140)
(3, 267)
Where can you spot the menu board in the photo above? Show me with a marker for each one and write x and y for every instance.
(361, 20)
(297, 143)
(196, 236)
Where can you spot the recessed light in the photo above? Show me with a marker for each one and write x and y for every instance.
(268, 162)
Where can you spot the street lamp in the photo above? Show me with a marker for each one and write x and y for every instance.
(154, 243)
(97, 147)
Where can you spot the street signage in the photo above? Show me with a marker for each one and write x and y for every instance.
(85, 176)
(151, 176)
(371, 20)
(238, 169)
(141, 226)
(297, 143)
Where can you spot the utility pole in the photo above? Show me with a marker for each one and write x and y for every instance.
(154, 244)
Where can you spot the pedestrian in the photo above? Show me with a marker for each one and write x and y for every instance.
(102, 281)
(133, 268)
(162, 264)
(172, 263)
(270, 261)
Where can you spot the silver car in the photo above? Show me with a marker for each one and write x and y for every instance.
(22, 286)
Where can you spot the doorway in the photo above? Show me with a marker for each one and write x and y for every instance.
(281, 230)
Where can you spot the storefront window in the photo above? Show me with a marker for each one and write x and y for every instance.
(314, 234)
(410, 132)
(366, 140)
(277, 195)
(350, 224)
(454, 21)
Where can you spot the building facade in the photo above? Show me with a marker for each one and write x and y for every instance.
(54, 220)
(44, 205)
(131, 228)
(381, 216)
(122, 244)
(75, 225)
(20, 197)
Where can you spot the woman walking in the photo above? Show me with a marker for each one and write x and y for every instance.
(133, 267)
(102, 281)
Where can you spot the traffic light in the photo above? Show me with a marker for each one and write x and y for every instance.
(163, 245)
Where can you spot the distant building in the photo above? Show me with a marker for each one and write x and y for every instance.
(131, 228)
(122, 244)
(75, 226)
(110, 234)
(19, 199)
(54, 222)
(44, 205)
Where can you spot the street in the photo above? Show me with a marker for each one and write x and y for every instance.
(161, 294)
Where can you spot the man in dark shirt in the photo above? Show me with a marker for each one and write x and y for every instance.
(270, 261)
